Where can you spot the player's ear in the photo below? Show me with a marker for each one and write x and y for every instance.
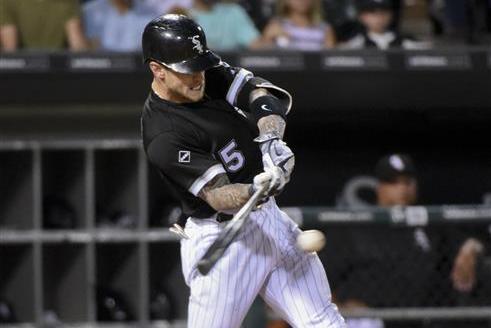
(158, 70)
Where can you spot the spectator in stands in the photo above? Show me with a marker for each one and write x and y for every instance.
(46, 24)
(260, 11)
(467, 19)
(114, 24)
(299, 25)
(375, 17)
(341, 14)
(227, 25)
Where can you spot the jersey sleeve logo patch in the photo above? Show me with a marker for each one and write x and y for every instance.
(184, 156)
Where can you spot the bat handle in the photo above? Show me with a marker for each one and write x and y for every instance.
(257, 195)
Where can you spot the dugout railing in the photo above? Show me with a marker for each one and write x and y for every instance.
(110, 234)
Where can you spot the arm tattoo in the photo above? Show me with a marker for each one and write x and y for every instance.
(217, 182)
(272, 124)
(221, 195)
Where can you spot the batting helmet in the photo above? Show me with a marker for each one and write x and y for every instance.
(178, 43)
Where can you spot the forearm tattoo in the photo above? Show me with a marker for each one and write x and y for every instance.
(272, 124)
(221, 195)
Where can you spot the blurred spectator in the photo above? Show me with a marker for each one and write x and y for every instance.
(466, 19)
(178, 11)
(227, 25)
(114, 24)
(470, 274)
(341, 14)
(436, 16)
(375, 18)
(299, 25)
(415, 16)
(397, 8)
(160, 7)
(42, 24)
(260, 11)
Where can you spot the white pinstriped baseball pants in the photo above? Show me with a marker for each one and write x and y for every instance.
(263, 259)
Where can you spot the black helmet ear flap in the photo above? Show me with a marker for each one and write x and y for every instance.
(178, 43)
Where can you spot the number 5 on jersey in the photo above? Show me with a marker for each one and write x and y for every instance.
(232, 158)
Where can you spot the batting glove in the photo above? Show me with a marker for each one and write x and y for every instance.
(276, 153)
(273, 178)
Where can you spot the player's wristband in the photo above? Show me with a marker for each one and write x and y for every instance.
(273, 135)
(267, 105)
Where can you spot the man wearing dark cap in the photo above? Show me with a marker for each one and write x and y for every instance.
(375, 18)
(387, 266)
(397, 184)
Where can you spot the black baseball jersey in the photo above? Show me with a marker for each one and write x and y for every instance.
(192, 143)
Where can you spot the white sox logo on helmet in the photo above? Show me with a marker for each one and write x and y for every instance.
(197, 43)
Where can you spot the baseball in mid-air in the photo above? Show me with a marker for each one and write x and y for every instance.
(311, 240)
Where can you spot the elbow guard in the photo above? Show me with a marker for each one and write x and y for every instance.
(282, 96)
(235, 84)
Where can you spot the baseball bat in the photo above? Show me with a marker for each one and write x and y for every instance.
(228, 234)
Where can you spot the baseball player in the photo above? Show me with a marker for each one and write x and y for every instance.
(215, 132)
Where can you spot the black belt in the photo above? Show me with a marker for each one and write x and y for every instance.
(222, 217)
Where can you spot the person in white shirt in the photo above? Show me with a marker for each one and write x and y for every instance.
(375, 18)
